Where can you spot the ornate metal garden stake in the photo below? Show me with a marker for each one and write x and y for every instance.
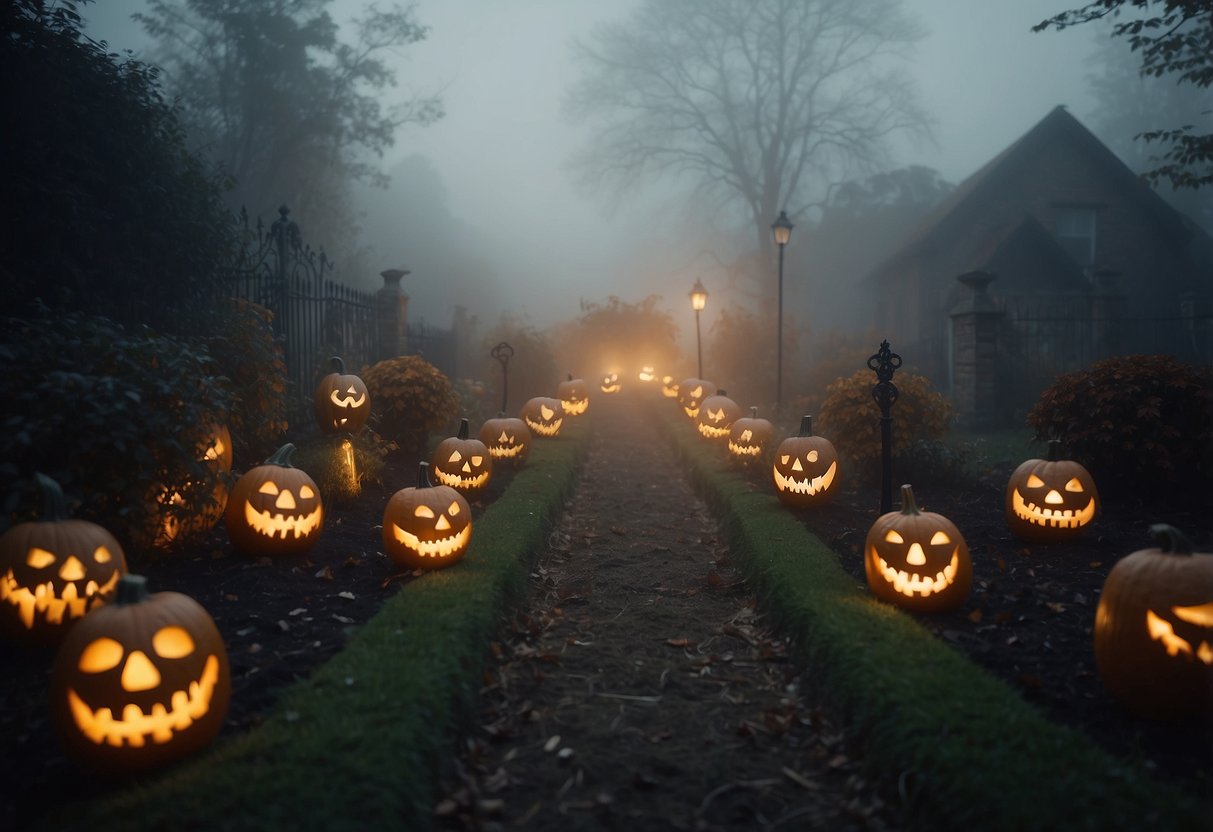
(503, 352)
(885, 363)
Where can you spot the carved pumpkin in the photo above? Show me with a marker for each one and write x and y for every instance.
(805, 469)
(54, 570)
(341, 400)
(462, 463)
(426, 527)
(172, 521)
(1050, 499)
(140, 682)
(647, 374)
(543, 416)
(507, 438)
(574, 396)
(610, 383)
(275, 508)
(749, 436)
(717, 413)
(218, 447)
(1154, 629)
(691, 393)
(917, 559)
(669, 387)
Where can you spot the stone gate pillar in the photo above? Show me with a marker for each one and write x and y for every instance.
(391, 308)
(975, 324)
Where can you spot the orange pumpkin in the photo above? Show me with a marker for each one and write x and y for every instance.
(691, 393)
(805, 469)
(716, 415)
(427, 526)
(543, 416)
(507, 438)
(1050, 499)
(341, 400)
(1154, 629)
(574, 396)
(749, 436)
(463, 463)
(917, 559)
(275, 508)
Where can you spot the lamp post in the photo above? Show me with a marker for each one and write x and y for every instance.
(699, 299)
(781, 230)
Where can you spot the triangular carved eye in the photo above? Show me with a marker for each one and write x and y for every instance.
(306, 492)
(503, 438)
(1035, 481)
(423, 511)
(268, 487)
(940, 537)
(39, 558)
(1074, 485)
(455, 457)
(783, 459)
(892, 536)
(746, 435)
(453, 509)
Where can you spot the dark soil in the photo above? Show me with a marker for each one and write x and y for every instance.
(1028, 621)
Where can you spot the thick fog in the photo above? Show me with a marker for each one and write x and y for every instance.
(483, 212)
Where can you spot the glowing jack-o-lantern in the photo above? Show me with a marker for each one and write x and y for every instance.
(507, 438)
(749, 436)
(543, 416)
(462, 463)
(805, 469)
(172, 522)
(574, 396)
(1050, 499)
(428, 526)
(341, 400)
(647, 374)
(610, 383)
(1154, 629)
(691, 393)
(217, 448)
(140, 682)
(275, 508)
(669, 387)
(717, 413)
(54, 570)
(917, 559)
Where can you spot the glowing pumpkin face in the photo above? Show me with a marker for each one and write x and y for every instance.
(669, 387)
(610, 383)
(275, 508)
(1154, 629)
(217, 449)
(177, 524)
(917, 559)
(53, 571)
(717, 414)
(691, 393)
(543, 416)
(647, 374)
(1050, 499)
(574, 396)
(426, 527)
(805, 469)
(341, 401)
(749, 436)
(507, 438)
(140, 682)
(462, 463)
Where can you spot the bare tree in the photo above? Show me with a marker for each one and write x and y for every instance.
(761, 102)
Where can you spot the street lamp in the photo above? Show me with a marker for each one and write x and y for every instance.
(699, 299)
(781, 229)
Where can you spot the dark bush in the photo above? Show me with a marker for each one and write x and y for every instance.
(1141, 424)
(113, 416)
(410, 398)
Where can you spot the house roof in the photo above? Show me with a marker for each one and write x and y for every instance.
(1027, 258)
(1057, 126)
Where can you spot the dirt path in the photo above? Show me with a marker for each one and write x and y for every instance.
(639, 688)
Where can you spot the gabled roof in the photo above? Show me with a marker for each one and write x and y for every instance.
(1027, 259)
(1057, 126)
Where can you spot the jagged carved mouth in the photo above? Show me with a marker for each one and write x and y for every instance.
(281, 525)
(712, 432)
(1052, 517)
(459, 481)
(548, 429)
(1161, 630)
(811, 486)
(134, 727)
(577, 407)
(444, 547)
(505, 451)
(42, 601)
(911, 583)
(744, 450)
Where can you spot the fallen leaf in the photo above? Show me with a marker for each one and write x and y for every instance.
(347, 595)
(975, 615)
(552, 743)
(680, 642)
(325, 574)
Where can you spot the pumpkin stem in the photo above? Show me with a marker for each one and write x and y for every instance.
(1170, 539)
(336, 364)
(282, 456)
(1055, 450)
(463, 428)
(54, 504)
(753, 412)
(908, 506)
(570, 376)
(806, 425)
(132, 589)
(423, 476)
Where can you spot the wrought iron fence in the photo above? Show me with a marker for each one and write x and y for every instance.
(314, 316)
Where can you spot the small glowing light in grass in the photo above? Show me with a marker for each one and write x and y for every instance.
(351, 472)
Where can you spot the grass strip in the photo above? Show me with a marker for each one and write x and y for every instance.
(362, 743)
(966, 750)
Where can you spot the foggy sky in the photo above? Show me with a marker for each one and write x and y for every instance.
(504, 66)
